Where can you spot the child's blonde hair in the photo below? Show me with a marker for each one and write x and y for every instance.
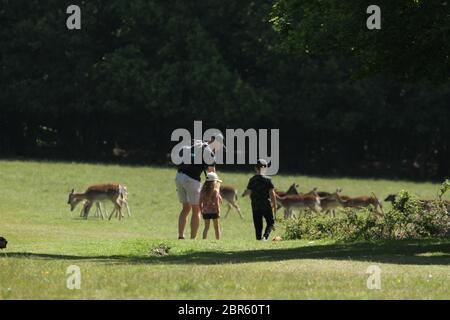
(208, 189)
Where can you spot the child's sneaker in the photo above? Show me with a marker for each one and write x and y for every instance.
(265, 238)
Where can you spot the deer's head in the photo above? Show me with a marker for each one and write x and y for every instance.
(292, 189)
(390, 198)
(73, 201)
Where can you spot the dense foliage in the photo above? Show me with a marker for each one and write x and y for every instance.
(409, 218)
(139, 69)
(412, 42)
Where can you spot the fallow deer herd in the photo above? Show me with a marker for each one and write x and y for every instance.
(314, 200)
(321, 201)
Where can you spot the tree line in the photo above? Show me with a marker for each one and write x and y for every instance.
(136, 70)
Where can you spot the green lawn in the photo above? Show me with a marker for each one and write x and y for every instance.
(115, 256)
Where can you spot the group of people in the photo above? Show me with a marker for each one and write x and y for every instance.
(204, 200)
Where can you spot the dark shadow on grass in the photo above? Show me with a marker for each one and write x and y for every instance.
(395, 252)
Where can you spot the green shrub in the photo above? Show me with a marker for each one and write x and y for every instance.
(409, 218)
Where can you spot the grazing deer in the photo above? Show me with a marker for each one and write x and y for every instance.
(115, 193)
(230, 195)
(310, 200)
(360, 202)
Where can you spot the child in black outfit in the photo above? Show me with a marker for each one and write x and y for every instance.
(262, 195)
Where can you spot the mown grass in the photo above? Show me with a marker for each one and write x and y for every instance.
(116, 261)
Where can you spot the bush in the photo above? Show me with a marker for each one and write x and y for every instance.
(409, 218)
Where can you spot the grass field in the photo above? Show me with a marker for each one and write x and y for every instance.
(115, 259)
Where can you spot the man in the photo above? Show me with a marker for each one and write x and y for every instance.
(188, 183)
(262, 195)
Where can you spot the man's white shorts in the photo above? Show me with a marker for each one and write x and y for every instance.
(188, 189)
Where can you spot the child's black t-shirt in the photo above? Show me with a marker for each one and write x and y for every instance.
(260, 186)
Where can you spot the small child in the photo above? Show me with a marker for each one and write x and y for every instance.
(262, 195)
(210, 200)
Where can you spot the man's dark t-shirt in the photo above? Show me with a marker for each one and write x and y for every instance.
(195, 170)
(260, 186)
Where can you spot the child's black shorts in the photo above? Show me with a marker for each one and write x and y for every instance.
(209, 216)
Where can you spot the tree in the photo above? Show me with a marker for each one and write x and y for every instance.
(413, 43)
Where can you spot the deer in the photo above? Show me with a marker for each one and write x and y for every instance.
(310, 200)
(230, 195)
(359, 202)
(115, 193)
(329, 202)
(292, 190)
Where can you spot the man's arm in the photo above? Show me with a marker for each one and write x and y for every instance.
(273, 199)
(211, 165)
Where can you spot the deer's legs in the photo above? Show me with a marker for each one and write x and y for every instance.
(128, 209)
(119, 209)
(97, 214)
(238, 210)
(83, 209)
(125, 202)
(86, 208)
(103, 211)
(112, 212)
(228, 211)
(99, 210)
(331, 212)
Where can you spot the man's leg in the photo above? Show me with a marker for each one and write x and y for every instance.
(195, 220)
(258, 223)
(193, 188)
(182, 220)
(270, 222)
